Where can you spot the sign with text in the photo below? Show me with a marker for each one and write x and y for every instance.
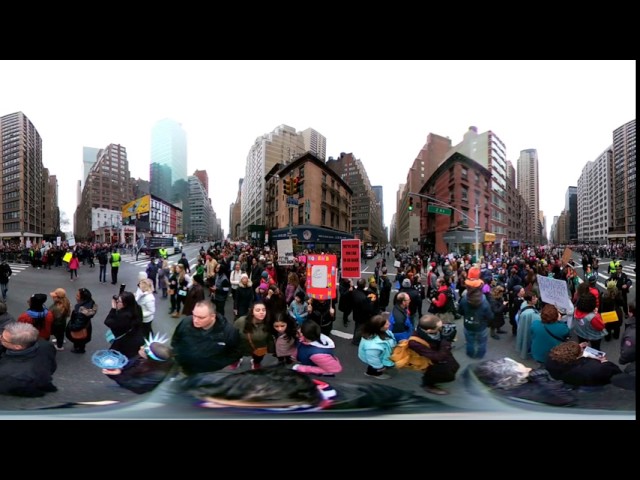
(555, 292)
(322, 276)
(350, 258)
(566, 255)
(438, 210)
(285, 252)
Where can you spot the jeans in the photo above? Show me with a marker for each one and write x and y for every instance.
(4, 287)
(102, 276)
(476, 342)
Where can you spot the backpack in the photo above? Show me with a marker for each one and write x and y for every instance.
(405, 357)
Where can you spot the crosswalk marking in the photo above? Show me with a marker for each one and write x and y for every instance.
(16, 268)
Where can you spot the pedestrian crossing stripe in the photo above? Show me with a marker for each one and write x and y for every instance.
(18, 267)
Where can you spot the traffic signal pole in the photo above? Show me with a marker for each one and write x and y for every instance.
(444, 204)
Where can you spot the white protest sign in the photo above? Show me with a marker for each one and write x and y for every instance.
(555, 292)
(285, 252)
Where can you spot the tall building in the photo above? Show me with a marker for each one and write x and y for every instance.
(89, 157)
(527, 175)
(281, 145)
(571, 206)
(378, 194)
(200, 225)
(21, 179)
(489, 151)
(431, 155)
(108, 187)
(51, 211)
(235, 214)
(594, 199)
(366, 219)
(204, 179)
(169, 148)
(160, 181)
(315, 143)
(624, 184)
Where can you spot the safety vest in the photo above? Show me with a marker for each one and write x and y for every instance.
(115, 259)
(612, 266)
(163, 252)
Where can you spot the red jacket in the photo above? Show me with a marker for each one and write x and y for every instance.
(45, 330)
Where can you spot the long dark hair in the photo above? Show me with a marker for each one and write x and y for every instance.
(249, 327)
(130, 305)
(284, 317)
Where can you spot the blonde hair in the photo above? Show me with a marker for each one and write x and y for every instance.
(146, 285)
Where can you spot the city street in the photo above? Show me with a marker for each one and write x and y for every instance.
(78, 379)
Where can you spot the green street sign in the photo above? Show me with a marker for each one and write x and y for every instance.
(438, 210)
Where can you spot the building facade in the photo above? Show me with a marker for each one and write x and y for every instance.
(319, 215)
(315, 143)
(527, 185)
(108, 187)
(235, 214)
(366, 220)
(277, 147)
(458, 184)
(21, 180)
(51, 211)
(594, 199)
(168, 148)
(623, 229)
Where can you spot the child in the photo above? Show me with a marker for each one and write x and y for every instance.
(284, 330)
(298, 308)
(376, 346)
(316, 351)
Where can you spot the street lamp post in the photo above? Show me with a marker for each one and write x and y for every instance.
(444, 204)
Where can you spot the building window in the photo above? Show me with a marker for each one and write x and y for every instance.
(323, 217)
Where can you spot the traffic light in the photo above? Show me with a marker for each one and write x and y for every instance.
(288, 186)
(295, 190)
(410, 204)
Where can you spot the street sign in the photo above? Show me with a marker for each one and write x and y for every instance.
(292, 201)
(438, 210)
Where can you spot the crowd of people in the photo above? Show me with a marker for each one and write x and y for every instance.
(273, 315)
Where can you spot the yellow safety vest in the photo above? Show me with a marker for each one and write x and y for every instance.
(115, 259)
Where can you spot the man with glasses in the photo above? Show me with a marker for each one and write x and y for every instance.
(27, 363)
(205, 341)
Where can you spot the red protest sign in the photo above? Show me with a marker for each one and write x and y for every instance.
(350, 258)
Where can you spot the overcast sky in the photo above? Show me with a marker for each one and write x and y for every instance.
(381, 111)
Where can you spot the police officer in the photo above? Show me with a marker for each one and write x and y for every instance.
(164, 254)
(114, 260)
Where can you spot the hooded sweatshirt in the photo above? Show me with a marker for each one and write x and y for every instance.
(318, 357)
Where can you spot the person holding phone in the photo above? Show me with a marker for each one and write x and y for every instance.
(568, 363)
(125, 323)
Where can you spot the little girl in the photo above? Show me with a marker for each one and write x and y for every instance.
(298, 308)
(284, 330)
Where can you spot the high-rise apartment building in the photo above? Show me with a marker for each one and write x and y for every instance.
(624, 184)
(235, 214)
(594, 199)
(489, 151)
(21, 179)
(281, 145)
(366, 219)
(315, 143)
(51, 211)
(89, 157)
(204, 179)
(527, 176)
(108, 186)
(168, 148)
(571, 206)
(201, 223)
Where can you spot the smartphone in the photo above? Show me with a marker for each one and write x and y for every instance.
(122, 287)
(592, 352)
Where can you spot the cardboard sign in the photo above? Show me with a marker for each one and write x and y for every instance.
(322, 276)
(566, 255)
(285, 252)
(350, 258)
(555, 292)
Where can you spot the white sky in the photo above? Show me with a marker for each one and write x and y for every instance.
(381, 111)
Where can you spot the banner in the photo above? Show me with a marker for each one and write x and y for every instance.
(350, 258)
(285, 252)
(322, 276)
(555, 292)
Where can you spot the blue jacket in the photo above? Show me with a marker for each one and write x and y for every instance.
(376, 351)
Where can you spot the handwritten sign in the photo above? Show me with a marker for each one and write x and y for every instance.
(285, 252)
(350, 258)
(555, 292)
(322, 276)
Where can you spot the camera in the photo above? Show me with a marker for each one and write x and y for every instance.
(449, 331)
(122, 287)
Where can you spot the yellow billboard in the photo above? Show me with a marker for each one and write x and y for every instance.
(137, 206)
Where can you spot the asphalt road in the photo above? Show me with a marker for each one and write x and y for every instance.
(78, 380)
